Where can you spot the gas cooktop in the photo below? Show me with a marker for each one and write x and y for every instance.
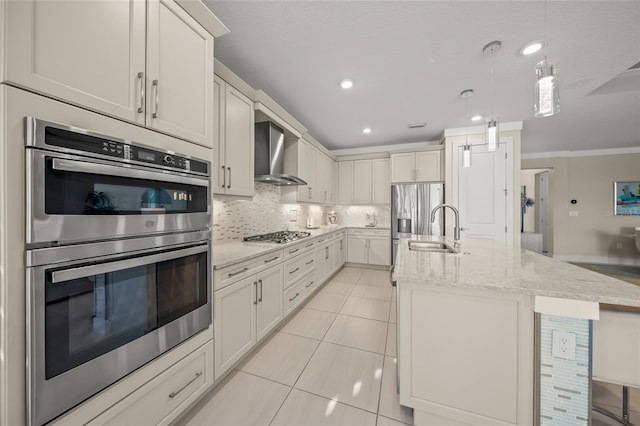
(278, 237)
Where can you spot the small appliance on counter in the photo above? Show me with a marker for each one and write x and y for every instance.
(313, 223)
(333, 218)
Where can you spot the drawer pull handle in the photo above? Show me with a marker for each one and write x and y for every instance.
(309, 285)
(293, 251)
(297, 294)
(271, 260)
(154, 83)
(308, 245)
(174, 394)
(309, 262)
(239, 272)
(141, 78)
(295, 270)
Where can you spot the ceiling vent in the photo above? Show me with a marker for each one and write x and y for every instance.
(417, 125)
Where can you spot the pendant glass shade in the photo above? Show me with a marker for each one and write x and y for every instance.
(492, 135)
(466, 156)
(547, 96)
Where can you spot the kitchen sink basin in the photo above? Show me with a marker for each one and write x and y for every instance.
(431, 246)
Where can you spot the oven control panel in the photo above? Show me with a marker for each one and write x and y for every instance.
(91, 143)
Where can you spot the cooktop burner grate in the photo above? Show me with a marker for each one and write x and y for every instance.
(280, 237)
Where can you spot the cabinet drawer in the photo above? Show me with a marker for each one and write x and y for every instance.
(297, 267)
(309, 283)
(230, 274)
(298, 249)
(294, 295)
(164, 398)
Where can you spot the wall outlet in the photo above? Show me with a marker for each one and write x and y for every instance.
(573, 213)
(564, 345)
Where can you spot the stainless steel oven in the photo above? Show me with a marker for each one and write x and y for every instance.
(94, 319)
(84, 186)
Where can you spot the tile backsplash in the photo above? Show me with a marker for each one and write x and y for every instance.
(235, 218)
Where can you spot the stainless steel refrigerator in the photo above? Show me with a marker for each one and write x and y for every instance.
(411, 205)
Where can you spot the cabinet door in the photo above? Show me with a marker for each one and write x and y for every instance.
(402, 167)
(345, 182)
(379, 251)
(381, 192)
(180, 73)
(334, 182)
(323, 178)
(234, 322)
(312, 173)
(428, 166)
(362, 182)
(304, 170)
(85, 53)
(343, 251)
(239, 149)
(321, 265)
(357, 249)
(218, 175)
(269, 312)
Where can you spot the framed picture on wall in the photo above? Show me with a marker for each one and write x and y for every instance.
(627, 198)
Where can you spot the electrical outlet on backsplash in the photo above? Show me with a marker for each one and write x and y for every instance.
(235, 218)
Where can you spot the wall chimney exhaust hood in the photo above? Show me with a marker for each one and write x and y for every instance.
(269, 156)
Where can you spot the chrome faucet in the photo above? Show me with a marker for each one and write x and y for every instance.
(456, 229)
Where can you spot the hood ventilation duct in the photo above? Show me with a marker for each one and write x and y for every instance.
(269, 156)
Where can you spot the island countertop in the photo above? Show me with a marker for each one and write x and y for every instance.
(492, 265)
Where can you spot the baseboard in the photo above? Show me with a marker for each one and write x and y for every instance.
(600, 259)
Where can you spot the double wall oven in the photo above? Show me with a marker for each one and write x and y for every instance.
(118, 260)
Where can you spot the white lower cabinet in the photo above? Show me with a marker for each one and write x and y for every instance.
(372, 247)
(245, 312)
(166, 396)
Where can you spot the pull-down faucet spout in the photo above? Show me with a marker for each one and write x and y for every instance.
(456, 229)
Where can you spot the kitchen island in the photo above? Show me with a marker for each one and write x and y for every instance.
(496, 335)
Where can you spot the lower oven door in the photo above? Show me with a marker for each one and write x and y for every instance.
(90, 324)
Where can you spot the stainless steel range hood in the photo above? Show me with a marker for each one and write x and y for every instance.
(269, 156)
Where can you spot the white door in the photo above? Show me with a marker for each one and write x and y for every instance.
(180, 74)
(239, 140)
(483, 193)
(234, 322)
(218, 175)
(428, 166)
(403, 167)
(345, 181)
(381, 192)
(379, 251)
(362, 182)
(86, 53)
(270, 308)
(357, 249)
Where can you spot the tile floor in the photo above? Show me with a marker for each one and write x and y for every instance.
(332, 363)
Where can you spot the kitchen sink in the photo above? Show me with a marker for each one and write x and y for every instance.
(432, 246)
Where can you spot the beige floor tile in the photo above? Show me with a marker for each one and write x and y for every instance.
(389, 402)
(281, 359)
(372, 292)
(391, 341)
(327, 302)
(375, 277)
(303, 409)
(385, 421)
(349, 275)
(367, 308)
(347, 375)
(338, 287)
(309, 323)
(360, 333)
(393, 315)
(228, 406)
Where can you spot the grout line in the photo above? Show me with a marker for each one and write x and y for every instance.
(339, 402)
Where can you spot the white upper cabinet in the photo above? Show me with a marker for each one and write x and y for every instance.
(362, 182)
(233, 141)
(345, 182)
(305, 161)
(381, 187)
(423, 166)
(148, 63)
(180, 74)
(324, 179)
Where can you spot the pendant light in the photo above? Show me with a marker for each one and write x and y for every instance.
(547, 89)
(466, 149)
(492, 123)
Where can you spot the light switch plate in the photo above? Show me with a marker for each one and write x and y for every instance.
(564, 345)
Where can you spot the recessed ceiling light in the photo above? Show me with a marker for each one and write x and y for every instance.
(366, 130)
(346, 84)
(476, 118)
(532, 47)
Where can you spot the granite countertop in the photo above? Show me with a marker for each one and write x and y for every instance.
(491, 265)
(226, 254)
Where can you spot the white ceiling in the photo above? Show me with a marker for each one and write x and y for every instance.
(411, 59)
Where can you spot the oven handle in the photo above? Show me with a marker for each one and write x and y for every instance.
(103, 268)
(108, 170)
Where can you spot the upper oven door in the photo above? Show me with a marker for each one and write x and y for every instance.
(72, 198)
